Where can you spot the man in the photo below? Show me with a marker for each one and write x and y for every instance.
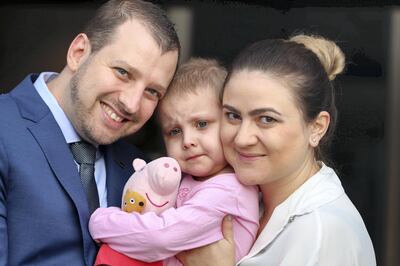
(116, 72)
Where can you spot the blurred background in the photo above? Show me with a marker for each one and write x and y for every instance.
(35, 36)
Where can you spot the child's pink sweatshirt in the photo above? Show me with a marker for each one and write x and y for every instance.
(195, 222)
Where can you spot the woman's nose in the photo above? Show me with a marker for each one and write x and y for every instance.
(246, 135)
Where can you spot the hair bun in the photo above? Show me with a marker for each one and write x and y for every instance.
(330, 55)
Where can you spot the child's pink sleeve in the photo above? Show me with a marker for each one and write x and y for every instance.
(150, 237)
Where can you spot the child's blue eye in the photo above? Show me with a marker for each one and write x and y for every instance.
(175, 132)
(202, 124)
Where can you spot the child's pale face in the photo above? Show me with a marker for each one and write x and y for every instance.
(190, 126)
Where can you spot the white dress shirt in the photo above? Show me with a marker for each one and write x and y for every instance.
(316, 225)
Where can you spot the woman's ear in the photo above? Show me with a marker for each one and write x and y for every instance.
(319, 127)
(78, 52)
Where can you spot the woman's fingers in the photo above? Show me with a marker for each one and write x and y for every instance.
(227, 229)
(221, 253)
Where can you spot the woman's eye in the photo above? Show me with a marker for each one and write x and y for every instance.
(174, 132)
(201, 124)
(267, 119)
(232, 116)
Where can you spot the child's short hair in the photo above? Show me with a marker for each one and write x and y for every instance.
(196, 73)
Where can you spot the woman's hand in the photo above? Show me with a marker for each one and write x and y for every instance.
(221, 253)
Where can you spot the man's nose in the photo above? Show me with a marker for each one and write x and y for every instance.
(131, 98)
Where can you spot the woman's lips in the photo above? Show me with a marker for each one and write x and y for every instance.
(249, 157)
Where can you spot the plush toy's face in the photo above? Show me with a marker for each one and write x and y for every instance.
(133, 202)
(156, 183)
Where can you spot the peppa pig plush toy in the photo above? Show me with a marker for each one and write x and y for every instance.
(152, 187)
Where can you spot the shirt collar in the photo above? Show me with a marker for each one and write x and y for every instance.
(62, 120)
(320, 189)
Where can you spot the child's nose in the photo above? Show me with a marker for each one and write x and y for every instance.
(189, 141)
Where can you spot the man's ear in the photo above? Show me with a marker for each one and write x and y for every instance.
(319, 127)
(78, 52)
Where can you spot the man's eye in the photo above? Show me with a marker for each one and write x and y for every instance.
(174, 132)
(201, 124)
(121, 71)
(154, 93)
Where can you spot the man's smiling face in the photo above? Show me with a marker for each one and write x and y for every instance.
(115, 91)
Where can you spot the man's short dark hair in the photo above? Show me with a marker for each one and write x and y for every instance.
(109, 16)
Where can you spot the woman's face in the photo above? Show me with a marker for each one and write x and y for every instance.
(264, 135)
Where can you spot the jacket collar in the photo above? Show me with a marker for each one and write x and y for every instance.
(29, 102)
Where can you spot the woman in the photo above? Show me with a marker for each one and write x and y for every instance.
(279, 117)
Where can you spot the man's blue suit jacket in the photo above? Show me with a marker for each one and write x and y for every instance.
(43, 209)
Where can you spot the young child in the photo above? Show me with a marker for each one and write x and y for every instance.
(189, 116)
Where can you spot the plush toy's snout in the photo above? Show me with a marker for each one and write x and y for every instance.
(165, 179)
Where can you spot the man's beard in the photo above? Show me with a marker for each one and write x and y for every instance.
(81, 117)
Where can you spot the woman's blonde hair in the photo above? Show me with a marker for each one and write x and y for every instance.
(329, 54)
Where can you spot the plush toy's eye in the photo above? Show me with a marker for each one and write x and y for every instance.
(124, 203)
(132, 201)
(141, 203)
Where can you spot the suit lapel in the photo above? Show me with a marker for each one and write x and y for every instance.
(48, 135)
(51, 140)
(118, 170)
(45, 130)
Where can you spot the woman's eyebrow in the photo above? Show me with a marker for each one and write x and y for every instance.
(263, 110)
(254, 112)
(230, 108)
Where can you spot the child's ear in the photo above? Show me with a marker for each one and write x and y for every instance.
(78, 51)
(319, 127)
